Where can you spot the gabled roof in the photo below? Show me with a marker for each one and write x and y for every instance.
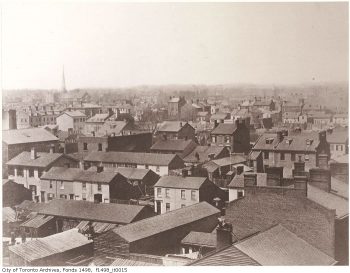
(42, 160)
(173, 144)
(172, 126)
(30, 135)
(230, 160)
(200, 239)
(230, 256)
(165, 222)
(179, 182)
(203, 152)
(131, 158)
(98, 118)
(338, 137)
(224, 129)
(8, 215)
(328, 200)
(61, 173)
(85, 210)
(43, 247)
(129, 173)
(219, 116)
(112, 127)
(279, 246)
(37, 221)
(238, 180)
(73, 114)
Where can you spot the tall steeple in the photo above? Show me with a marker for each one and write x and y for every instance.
(63, 89)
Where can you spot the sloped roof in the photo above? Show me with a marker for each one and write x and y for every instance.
(238, 180)
(98, 118)
(50, 245)
(95, 177)
(328, 200)
(130, 173)
(174, 99)
(85, 210)
(8, 215)
(37, 221)
(230, 160)
(112, 127)
(224, 129)
(279, 246)
(172, 144)
(203, 152)
(27, 136)
(164, 222)
(230, 256)
(42, 160)
(99, 227)
(180, 182)
(200, 239)
(293, 115)
(171, 126)
(338, 137)
(218, 116)
(30, 205)
(262, 103)
(131, 158)
(74, 114)
(61, 173)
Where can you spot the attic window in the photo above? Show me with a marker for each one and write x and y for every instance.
(308, 142)
(289, 141)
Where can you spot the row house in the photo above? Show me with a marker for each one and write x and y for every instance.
(175, 192)
(176, 130)
(27, 169)
(281, 150)
(27, 119)
(88, 185)
(71, 120)
(234, 136)
(161, 164)
(17, 141)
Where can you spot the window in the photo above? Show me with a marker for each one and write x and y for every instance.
(71, 196)
(292, 156)
(183, 205)
(63, 196)
(85, 146)
(100, 147)
(99, 187)
(167, 193)
(84, 196)
(183, 194)
(51, 186)
(167, 207)
(240, 194)
(19, 172)
(306, 157)
(266, 155)
(62, 185)
(227, 139)
(282, 156)
(84, 185)
(50, 196)
(159, 192)
(157, 169)
(31, 172)
(40, 173)
(146, 166)
(193, 195)
(213, 139)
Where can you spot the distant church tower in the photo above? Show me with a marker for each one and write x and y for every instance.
(64, 90)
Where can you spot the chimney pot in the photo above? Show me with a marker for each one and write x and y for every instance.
(33, 154)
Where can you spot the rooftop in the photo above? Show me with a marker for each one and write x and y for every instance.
(171, 126)
(164, 222)
(98, 118)
(203, 153)
(30, 135)
(85, 210)
(74, 114)
(279, 246)
(43, 247)
(173, 144)
(224, 129)
(200, 239)
(338, 137)
(131, 158)
(180, 182)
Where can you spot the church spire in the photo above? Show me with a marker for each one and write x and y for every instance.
(63, 89)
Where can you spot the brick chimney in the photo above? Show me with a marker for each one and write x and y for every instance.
(321, 179)
(274, 176)
(300, 183)
(33, 154)
(52, 148)
(223, 234)
(323, 161)
(239, 169)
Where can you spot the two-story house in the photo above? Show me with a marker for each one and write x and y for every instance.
(176, 130)
(234, 136)
(175, 192)
(161, 164)
(338, 140)
(90, 185)
(282, 150)
(71, 119)
(28, 167)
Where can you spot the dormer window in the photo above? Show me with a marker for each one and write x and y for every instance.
(269, 140)
(289, 141)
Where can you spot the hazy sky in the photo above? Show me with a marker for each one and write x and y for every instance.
(116, 44)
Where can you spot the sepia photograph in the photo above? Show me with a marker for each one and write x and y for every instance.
(174, 134)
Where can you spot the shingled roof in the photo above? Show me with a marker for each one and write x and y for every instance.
(27, 136)
(164, 222)
(178, 182)
(224, 129)
(279, 246)
(42, 159)
(43, 247)
(200, 239)
(85, 210)
(131, 158)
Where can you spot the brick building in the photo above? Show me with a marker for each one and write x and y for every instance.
(175, 130)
